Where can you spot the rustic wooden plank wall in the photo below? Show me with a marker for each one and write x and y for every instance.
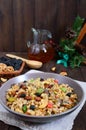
(17, 17)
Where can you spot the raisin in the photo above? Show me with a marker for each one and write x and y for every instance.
(32, 107)
(22, 95)
(41, 79)
(68, 94)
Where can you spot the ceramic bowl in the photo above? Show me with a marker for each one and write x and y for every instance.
(41, 119)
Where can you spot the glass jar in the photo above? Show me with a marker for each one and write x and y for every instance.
(40, 49)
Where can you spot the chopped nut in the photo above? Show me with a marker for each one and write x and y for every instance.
(63, 73)
(3, 79)
(28, 97)
(37, 98)
(53, 69)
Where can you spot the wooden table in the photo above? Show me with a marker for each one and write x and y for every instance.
(76, 73)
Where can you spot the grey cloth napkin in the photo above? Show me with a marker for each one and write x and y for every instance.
(64, 123)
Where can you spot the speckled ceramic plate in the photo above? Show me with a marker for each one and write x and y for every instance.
(43, 119)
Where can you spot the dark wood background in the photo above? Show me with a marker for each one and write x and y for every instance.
(17, 17)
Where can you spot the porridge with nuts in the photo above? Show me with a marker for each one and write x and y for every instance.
(40, 97)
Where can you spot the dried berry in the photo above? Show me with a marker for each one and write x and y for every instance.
(32, 107)
(41, 79)
(68, 94)
(22, 95)
(15, 63)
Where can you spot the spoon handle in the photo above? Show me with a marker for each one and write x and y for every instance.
(31, 63)
(17, 57)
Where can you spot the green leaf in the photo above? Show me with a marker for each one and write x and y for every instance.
(78, 24)
(76, 61)
(68, 46)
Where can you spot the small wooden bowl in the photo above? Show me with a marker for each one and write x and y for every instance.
(12, 74)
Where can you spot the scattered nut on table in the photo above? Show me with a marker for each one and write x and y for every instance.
(53, 69)
(63, 73)
(3, 80)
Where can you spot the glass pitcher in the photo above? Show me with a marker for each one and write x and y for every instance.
(40, 49)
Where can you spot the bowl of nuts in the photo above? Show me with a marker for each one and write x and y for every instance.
(41, 97)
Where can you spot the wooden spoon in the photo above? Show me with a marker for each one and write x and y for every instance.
(31, 63)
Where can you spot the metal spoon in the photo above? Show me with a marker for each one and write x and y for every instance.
(31, 63)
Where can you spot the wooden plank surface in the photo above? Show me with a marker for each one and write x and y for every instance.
(17, 17)
(6, 25)
(23, 15)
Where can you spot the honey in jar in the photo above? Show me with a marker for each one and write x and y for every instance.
(38, 50)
